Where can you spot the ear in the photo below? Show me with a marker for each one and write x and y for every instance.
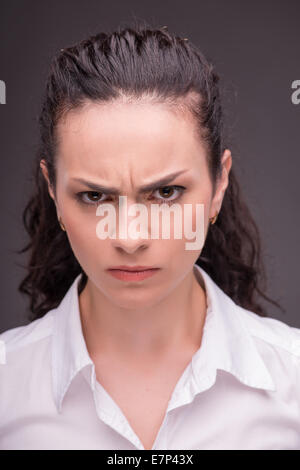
(44, 169)
(226, 163)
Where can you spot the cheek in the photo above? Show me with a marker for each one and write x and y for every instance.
(81, 232)
(196, 215)
(81, 245)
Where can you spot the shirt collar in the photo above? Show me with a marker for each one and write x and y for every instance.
(226, 344)
(69, 351)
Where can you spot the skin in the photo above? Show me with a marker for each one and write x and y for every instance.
(126, 145)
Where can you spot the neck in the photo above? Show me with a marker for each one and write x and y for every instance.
(155, 330)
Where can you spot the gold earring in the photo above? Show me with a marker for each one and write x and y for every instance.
(213, 219)
(61, 224)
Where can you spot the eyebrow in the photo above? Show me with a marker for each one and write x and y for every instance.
(145, 188)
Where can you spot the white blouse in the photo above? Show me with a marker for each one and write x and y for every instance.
(241, 389)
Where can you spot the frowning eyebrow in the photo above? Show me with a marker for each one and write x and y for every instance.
(115, 191)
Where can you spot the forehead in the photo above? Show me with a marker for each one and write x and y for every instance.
(144, 134)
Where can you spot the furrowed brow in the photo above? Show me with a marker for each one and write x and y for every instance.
(145, 188)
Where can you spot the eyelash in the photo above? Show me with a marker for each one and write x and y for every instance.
(80, 195)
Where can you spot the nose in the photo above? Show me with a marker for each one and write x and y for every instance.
(129, 246)
(132, 233)
(131, 240)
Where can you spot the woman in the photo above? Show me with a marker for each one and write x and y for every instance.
(180, 355)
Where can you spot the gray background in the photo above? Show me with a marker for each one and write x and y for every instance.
(255, 46)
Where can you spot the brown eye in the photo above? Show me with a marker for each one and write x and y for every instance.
(90, 197)
(93, 196)
(167, 193)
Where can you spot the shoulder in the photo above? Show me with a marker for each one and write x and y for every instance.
(16, 341)
(25, 364)
(279, 347)
(272, 332)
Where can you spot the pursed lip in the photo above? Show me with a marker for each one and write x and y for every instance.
(132, 268)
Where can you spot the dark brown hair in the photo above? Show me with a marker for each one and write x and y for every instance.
(132, 62)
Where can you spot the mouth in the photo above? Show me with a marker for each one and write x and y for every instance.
(133, 273)
(132, 268)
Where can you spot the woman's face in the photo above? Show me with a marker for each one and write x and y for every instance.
(126, 146)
